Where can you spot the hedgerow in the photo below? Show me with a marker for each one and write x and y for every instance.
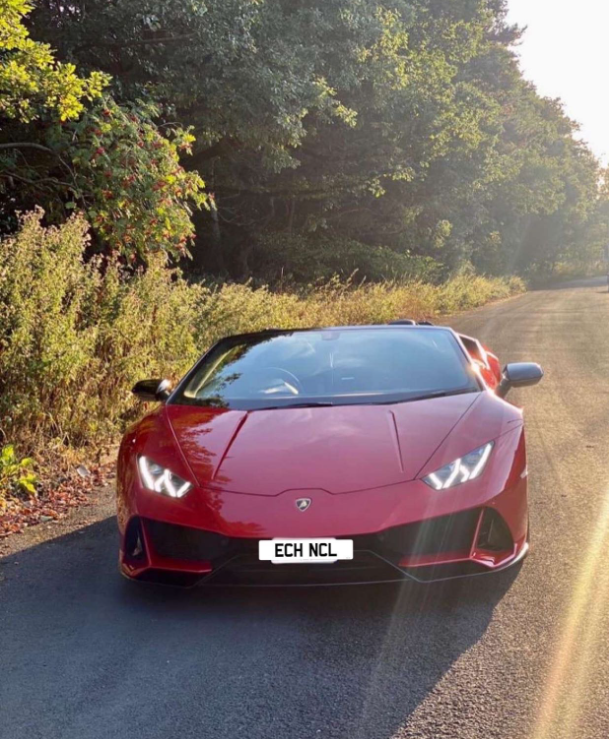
(76, 333)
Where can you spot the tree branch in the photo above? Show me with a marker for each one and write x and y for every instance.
(52, 180)
(39, 147)
(27, 145)
(135, 42)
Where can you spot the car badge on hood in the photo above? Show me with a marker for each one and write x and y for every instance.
(303, 504)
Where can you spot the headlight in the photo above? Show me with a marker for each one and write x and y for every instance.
(161, 480)
(461, 470)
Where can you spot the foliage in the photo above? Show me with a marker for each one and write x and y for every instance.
(365, 159)
(301, 259)
(32, 82)
(403, 126)
(129, 179)
(75, 335)
(234, 308)
(65, 144)
(16, 475)
(244, 72)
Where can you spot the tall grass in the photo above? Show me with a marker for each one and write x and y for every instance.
(233, 309)
(75, 335)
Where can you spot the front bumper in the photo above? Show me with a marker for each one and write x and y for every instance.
(470, 542)
(402, 531)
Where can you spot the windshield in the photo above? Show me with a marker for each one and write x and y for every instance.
(329, 367)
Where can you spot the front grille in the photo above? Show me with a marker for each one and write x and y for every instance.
(454, 533)
(377, 556)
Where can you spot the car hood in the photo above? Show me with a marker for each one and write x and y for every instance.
(339, 449)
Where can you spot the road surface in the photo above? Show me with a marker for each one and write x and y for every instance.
(84, 654)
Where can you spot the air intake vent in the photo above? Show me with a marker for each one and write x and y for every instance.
(182, 542)
(494, 535)
(134, 541)
(453, 533)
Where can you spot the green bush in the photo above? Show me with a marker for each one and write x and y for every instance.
(234, 308)
(16, 475)
(75, 335)
(300, 259)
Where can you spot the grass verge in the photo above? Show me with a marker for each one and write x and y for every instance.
(76, 334)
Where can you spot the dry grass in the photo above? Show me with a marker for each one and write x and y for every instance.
(76, 335)
(234, 309)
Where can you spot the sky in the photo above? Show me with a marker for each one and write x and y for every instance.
(565, 52)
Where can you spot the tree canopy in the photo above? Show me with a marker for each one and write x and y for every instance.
(384, 135)
(65, 143)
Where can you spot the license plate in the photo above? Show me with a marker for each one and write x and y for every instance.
(284, 551)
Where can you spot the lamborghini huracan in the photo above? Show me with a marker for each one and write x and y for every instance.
(326, 456)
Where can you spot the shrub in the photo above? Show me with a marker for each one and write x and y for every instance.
(301, 259)
(16, 475)
(75, 335)
(230, 308)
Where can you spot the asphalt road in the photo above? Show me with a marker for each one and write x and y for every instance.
(84, 654)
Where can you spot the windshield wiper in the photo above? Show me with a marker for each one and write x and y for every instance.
(429, 396)
(327, 404)
(308, 404)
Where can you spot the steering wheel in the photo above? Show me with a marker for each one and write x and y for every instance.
(288, 381)
(358, 377)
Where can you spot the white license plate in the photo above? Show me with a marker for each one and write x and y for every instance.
(284, 551)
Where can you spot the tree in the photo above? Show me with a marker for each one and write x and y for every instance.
(32, 83)
(396, 124)
(66, 144)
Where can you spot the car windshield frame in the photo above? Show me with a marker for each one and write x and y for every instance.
(179, 397)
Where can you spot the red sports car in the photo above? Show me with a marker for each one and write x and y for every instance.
(334, 455)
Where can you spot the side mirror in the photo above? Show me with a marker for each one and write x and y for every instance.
(152, 390)
(519, 374)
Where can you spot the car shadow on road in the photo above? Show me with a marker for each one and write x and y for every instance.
(342, 661)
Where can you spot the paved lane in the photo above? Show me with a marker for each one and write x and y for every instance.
(85, 655)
